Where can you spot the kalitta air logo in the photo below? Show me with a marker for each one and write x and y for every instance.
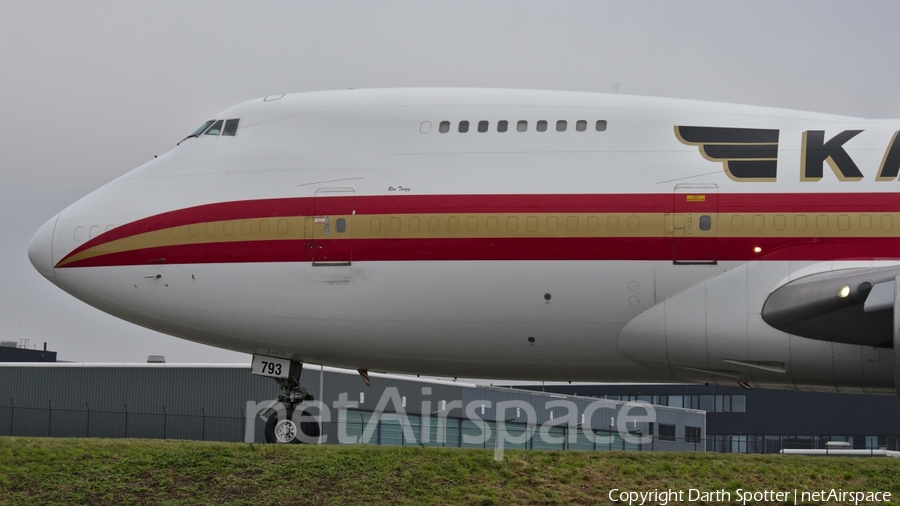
(751, 154)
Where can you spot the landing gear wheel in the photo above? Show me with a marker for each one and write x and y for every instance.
(287, 431)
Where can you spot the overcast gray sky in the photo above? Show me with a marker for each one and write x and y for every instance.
(91, 89)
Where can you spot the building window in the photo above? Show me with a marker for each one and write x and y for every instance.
(522, 125)
(666, 432)
(581, 125)
(463, 127)
(482, 126)
(444, 127)
(739, 403)
(502, 125)
(542, 126)
(692, 434)
(601, 125)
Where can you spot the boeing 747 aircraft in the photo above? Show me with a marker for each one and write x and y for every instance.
(533, 235)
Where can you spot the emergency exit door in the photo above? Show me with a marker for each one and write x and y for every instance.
(691, 225)
(330, 229)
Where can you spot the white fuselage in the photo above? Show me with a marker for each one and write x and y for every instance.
(609, 296)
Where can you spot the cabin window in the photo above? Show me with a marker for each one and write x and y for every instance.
(601, 125)
(552, 223)
(483, 126)
(444, 127)
(522, 125)
(230, 127)
(63, 234)
(759, 222)
(561, 125)
(887, 222)
(463, 127)
(634, 223)
(215, 129)
(865, 222)
(95, 230)
(581, 125)
(414, 224)
(424, 127)
(78, 232)
(202, 128)
(843, 222)
(612, 223)
(502, 125)
(542, 126)
(705, 223)
(340, 225)
(779, 222)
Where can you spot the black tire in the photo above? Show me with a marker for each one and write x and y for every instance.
(309, 428)
(288, 433)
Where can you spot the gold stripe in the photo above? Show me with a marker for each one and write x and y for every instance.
(512, 225)
(202, 233)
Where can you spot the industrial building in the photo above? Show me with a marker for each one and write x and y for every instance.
(767, 421)
(220, 402)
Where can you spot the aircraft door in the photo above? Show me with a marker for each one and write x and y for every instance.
(692, 224)
(329, 230)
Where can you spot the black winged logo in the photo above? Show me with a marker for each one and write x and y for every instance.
(748, 154)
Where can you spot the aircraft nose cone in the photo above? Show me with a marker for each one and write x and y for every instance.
(40, 250)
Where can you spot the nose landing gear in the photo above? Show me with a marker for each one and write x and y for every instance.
(286, 421)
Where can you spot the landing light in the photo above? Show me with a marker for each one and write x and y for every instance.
(757, 249)
(844, 291)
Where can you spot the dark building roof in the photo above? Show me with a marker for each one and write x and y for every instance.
(10, 354)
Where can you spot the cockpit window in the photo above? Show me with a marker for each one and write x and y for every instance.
(202, 128)
(215, 129)
(230, 127)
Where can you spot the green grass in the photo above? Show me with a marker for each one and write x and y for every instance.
(123, 471)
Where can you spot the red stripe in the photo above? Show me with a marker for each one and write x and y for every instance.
(729, 249)
(438, 204)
